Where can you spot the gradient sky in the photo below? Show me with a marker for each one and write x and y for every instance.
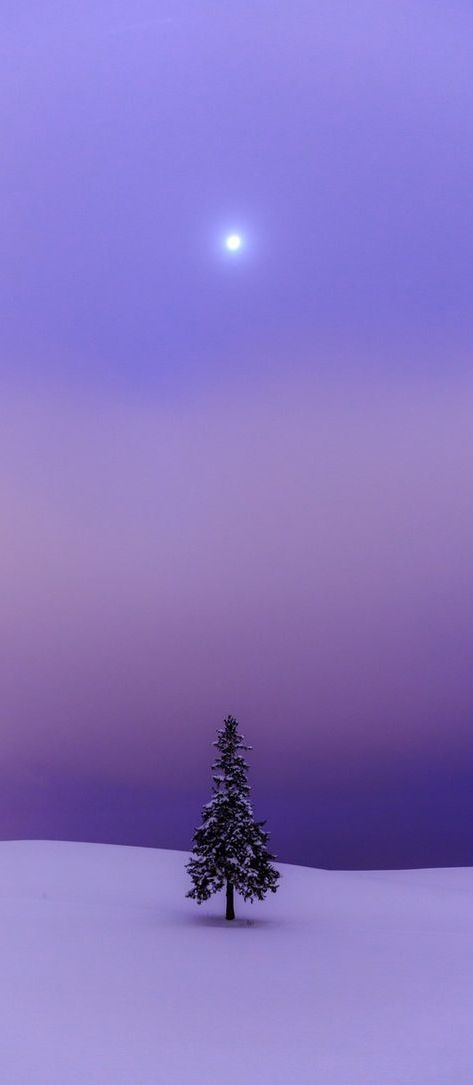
(238, 483)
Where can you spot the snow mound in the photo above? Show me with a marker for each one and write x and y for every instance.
(109, 976)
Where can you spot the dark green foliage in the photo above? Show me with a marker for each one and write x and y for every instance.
(230, 847)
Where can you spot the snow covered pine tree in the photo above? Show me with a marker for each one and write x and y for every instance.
(230, 846)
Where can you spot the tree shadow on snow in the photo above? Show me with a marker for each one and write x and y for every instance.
(239, 923)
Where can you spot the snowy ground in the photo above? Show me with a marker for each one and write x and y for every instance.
(110, 977)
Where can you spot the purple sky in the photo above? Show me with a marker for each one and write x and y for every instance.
(238, 483)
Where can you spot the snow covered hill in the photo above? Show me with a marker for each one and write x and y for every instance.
(109, 976)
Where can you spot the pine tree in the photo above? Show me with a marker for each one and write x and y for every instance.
(230, 846)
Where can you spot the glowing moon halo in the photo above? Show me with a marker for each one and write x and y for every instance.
(233, 242)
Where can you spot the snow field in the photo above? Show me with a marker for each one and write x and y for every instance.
(109, 976)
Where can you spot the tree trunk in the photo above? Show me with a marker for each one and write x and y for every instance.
(230, 912)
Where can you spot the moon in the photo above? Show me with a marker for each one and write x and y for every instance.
(233, 242)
